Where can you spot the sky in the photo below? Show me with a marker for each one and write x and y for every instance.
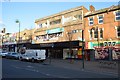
(28, 12)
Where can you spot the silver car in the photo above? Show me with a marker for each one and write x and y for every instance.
(12, 55)
(3, 54)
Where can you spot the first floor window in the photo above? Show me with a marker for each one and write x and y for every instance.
(101, 33)
(91, 34)
(118, 31)
(117, 15)
(100, 19)
(91, 21)
(96, 33)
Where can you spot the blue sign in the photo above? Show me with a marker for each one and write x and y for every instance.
(55, 30)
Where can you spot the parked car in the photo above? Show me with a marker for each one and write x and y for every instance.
(0, 54)
(33, 55)
(12, 55)
(3, 54)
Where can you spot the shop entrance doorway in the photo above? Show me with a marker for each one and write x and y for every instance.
(56, 53)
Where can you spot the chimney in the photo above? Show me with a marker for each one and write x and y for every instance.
(4, 30)
(92, 8)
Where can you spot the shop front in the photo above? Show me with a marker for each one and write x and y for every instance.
(5, 48)
(60, 49)
(12, 47)
(105, 50)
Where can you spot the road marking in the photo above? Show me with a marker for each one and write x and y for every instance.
(30, 66)
(103, 73)
(34, 70)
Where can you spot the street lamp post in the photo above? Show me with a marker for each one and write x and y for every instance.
(70, 35)
(2, 41)
(17, 21)
(98, 36)
(2, 37)
(83, 49)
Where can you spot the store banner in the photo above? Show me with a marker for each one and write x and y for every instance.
(80, 53)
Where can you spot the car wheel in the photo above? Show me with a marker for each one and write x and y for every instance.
(41, 60)
(20, 58)
(33, 60)
(6, 57)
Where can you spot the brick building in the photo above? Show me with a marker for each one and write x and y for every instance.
(11, 41)
(60, 32)
(102, 28)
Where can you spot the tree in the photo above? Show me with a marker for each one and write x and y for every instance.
(69, 37)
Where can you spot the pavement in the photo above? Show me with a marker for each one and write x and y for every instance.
(89, 66)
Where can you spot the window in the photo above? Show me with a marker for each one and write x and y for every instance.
(109, 43)
(100, 19)
(55, 22)
(91, 34)
(118, 32)
(74, 31)
(78, 17)
(40, 25)
(101, 33)
(91, 21)
(117, 15)
(44, 24)
(113, 43)
(96, 33)
(105, 44)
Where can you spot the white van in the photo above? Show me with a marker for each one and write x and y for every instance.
(33, 55)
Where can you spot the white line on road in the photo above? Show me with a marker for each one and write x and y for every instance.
(30, 66)
(34, 70)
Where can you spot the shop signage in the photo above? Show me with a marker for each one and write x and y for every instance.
(89, 45)
(56, 30)
(47, 45)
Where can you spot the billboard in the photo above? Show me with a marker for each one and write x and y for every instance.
(116, 54)
(102, 53)
(107, 53)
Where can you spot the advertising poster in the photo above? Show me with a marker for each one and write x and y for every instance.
(80, 53)
(116, 54)
(101, 53)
